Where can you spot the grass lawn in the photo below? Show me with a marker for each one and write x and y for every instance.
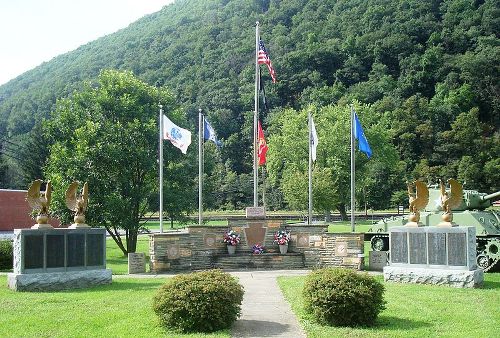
(122, 309)
(415, 311)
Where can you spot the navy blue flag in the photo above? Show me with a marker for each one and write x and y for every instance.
(359, 134)
(209, 133)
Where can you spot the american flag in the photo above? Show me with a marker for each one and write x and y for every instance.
(264, 59)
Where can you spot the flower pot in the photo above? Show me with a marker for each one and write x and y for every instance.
(283, 248)
(231, 249)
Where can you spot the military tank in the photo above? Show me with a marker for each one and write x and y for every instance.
(471, 212)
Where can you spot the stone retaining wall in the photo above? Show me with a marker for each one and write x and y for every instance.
(202, 247)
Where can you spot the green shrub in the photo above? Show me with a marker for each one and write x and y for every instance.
(342, 297)
(199, 302)
(6, 255)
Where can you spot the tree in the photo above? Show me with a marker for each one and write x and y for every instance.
(107, 134)
(288, 157)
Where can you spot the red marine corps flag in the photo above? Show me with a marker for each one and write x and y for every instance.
(262, 146)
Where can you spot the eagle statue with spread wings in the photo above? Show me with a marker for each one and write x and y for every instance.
(417, 200)
(40, 201)
(450, 200)
(78, 203)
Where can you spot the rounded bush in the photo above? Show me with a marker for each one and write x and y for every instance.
(204, 301)
(6, 255)
(343, 297)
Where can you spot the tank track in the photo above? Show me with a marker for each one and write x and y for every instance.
(487, 252)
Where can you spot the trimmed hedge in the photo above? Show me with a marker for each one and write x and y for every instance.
(342, 297)
(6, 255)
(204, 301)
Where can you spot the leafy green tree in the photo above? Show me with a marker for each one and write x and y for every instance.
(288, 157)
(107, 134)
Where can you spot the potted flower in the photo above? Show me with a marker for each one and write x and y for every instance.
(231, 238)
(257, 249)
(282, 237)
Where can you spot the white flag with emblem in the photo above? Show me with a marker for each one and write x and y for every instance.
(180, 137)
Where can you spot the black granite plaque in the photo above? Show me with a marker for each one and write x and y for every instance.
(437, 248)
(55, 251)
(95, 249)
(418, 253)
(399, 247)
(33, 251)
(76, 250)
(457, 249)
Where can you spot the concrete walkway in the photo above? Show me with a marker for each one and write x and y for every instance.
(265, 312)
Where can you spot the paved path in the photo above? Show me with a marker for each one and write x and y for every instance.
(265, 312)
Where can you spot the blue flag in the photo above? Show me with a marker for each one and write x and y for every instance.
(359, 134)
(209, 133)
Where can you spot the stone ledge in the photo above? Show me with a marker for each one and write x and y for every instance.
(453, 278)
(55, 281)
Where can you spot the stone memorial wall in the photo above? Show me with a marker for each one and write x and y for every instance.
(56, 259)
(202, 247)
(433, 255)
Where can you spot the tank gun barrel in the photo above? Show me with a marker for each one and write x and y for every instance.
(494, 196)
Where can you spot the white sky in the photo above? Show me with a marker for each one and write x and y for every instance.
(34, 31)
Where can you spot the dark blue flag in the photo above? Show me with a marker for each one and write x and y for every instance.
(359, 134)
(209, 133)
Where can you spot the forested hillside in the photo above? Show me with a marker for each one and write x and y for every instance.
(427, 70)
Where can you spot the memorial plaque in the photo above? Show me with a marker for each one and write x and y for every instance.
(302, 240)
(95, 249)
(55, 251)
(33, 251)
(255, 233)
(340, 248)
(399, 247)
(378, 259)
(255, 212)
(76, 250)
(136, 262)
(173, 251)
(210, 240)
(457, 249)
(437, 248)
(417, 248)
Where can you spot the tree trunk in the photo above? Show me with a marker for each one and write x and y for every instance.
(328, 216)
(343, 213)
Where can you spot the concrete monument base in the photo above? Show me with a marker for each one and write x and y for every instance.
(55, 281)
(449, 277)
(42, 226)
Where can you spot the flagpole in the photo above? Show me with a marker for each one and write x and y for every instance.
(200, 167)
(161, 168)
(264, 186)
(353, 165)
(255, 118)
(310, 168)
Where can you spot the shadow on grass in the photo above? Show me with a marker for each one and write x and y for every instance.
(491, 285)
(121, 285)
(395, 323)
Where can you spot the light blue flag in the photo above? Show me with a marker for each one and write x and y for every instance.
(209, 133)
(359, 134)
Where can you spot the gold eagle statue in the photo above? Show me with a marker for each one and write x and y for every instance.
(77, 203)
(417, 201)
(420, 198)
(450, 200)
(39, 200)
